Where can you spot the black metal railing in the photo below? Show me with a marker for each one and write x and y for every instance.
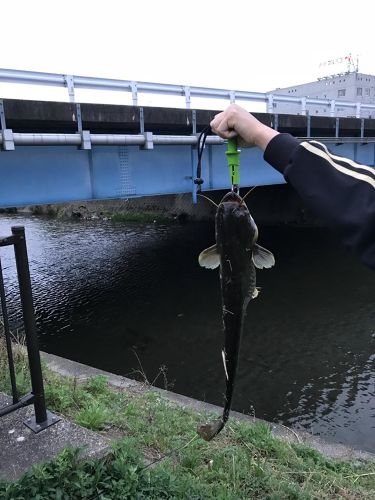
(42, 418)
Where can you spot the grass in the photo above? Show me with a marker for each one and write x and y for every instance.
(159, 455)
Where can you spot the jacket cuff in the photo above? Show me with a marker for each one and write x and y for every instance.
(280, 150)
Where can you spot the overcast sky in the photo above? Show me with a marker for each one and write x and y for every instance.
(234, 44)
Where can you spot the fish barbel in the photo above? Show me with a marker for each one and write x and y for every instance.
(237, 253)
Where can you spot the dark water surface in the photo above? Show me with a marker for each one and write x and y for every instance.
(106, 291)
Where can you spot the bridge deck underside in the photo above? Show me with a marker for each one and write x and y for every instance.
(58, 174)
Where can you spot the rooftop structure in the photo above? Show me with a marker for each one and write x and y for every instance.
(347, 86)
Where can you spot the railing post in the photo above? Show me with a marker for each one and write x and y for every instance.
(358, 110)
(362, 128)
(270, 103)
(187, 96)
(85, 134)
(79, 118)
(69, 82)
(194, 121)
(6, 134)
(3, 124)
(141, 121)
(275, 122)
(333, 104)
(42, 418)
(308, 131)
(134, 88)
(8, 342)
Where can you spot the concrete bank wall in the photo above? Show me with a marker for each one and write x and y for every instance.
(277, 204)
(70, 368)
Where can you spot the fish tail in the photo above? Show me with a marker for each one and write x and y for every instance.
(226, 414)
(210, 430)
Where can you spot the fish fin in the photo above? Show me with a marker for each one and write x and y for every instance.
(262, 257)
(209, 258)
(225, 364)
(255, 293)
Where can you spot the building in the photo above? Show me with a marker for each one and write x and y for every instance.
(349, 86)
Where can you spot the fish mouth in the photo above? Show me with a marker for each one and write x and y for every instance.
(232, 196)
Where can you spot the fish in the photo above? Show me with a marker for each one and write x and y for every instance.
(237, 254)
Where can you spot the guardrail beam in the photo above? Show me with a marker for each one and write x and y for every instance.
(75, 81)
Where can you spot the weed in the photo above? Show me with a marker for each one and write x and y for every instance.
(94, 416)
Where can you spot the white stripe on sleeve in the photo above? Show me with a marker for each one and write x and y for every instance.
(345, 160)
(329, 158)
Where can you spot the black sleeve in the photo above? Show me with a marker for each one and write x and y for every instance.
(338, 190)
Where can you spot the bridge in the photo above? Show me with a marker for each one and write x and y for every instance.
(56, 152)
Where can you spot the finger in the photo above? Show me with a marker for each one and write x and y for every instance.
(225, 127)
(230, 134)
(226, 134)
(216, 120)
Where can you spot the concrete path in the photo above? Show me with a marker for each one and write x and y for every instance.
(20, 448)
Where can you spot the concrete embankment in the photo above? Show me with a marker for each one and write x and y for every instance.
(278, 204)
(82, 372)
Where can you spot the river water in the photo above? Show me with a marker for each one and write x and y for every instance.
(131, 298)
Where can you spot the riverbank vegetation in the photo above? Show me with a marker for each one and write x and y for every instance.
(140, 217)
(157, 453)
(166, 208)
(101, 214)
(84, 212)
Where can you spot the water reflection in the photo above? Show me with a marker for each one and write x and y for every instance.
(103, 291)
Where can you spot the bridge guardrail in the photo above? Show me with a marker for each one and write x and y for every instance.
(72, 82)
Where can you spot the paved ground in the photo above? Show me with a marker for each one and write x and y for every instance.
(20, 447)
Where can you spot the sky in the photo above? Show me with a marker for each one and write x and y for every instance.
(233, 44)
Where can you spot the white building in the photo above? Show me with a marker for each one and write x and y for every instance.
(348, 86)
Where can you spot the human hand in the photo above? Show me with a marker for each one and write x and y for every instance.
(237, 122)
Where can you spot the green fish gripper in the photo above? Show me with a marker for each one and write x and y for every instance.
(233, 157)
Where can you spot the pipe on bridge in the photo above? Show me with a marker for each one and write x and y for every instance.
(36, 139)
